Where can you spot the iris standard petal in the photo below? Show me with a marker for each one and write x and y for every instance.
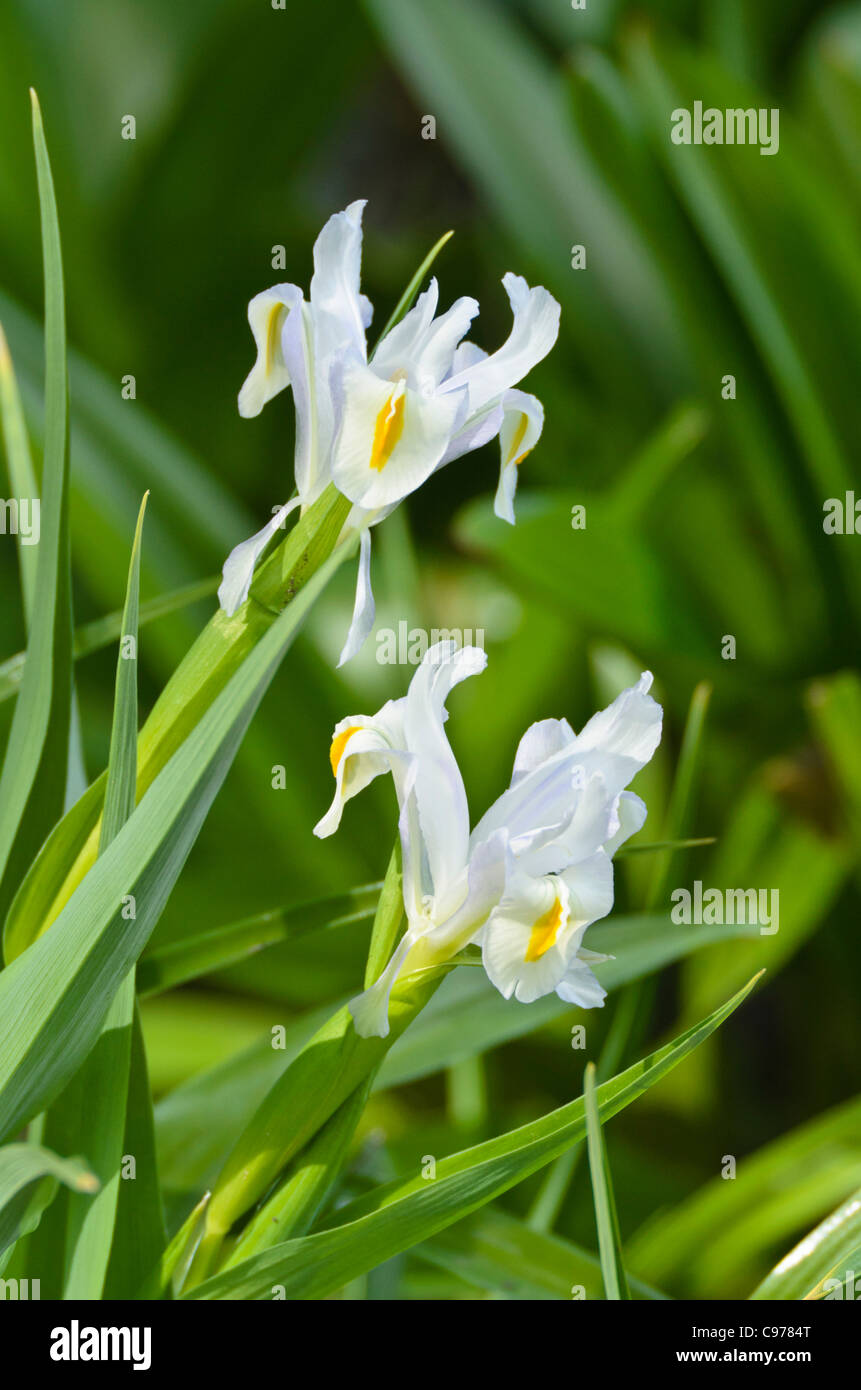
(341, 313)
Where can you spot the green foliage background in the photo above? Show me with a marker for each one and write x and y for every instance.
(704, 516)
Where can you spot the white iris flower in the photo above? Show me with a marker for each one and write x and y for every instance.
(537, 869)
(378, 426)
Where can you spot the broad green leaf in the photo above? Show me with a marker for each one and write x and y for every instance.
(55, 996)
(606, 1218)
(819, 1256)
(185, 960)
(33, 781)
(22, 1166)
(495, 1251)
(398, 1216)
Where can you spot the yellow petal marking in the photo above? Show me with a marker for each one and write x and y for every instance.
(545, 932)
(388, 430)
(517, 440)
(273, 327)
(339, 743)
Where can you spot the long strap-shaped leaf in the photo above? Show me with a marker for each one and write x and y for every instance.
(33, 782)
(22, 1165)
(398, 1216)
(54, 997)
(821, 1255)
(609, 1241)
(98, 1093)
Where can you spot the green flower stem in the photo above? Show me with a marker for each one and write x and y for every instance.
(213, 658)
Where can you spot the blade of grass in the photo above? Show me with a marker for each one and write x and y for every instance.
(99, 1091)
(407, 299)
(22, 476)
(606, 1218)
(33, 780)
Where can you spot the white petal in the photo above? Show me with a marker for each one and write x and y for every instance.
(312, 399)
(402, 344)
(542, 740)
(371, 1010)
(507, 936)
(622, 738)
(238, 569)
(523, 421)
(390, 438)
(267, 314)
(631, 812)
(478, 430)
(486, 877)
(363, 747)
(364, 608)
(579, 986)
(442, 805)
(590, 889)
(340, 311)
(535, 329)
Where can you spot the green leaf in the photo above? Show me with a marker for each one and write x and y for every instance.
(214, 950)
(405, 303)
(96, 1098)
(387, 920)
(496, 1252)
(398, 1216)
(22, 1166)
(819, 1256)
(55, 996)
(606, 1218)
(22, 477)
(33, 781)
(139, 1230)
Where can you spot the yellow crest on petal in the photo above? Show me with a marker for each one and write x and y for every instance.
(545, 932)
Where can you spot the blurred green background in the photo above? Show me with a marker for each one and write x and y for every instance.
(704, 515)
